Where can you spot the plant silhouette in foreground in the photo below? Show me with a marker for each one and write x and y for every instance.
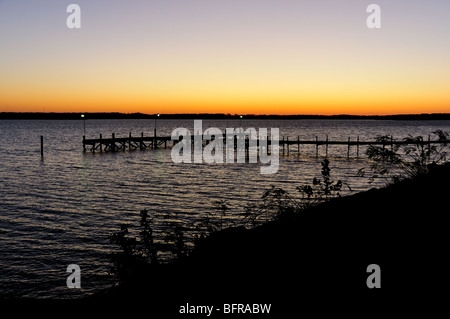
(275, 203)
(279, 204)
(176, 242)
(136, 254)
(322, 190)
(409, 159)
(214, 221)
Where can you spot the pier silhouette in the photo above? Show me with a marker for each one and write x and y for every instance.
(286, 145)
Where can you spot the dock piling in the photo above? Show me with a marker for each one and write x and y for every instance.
(357, 146)
(42, 145)
(348, 148)
(113, 142)
(287, 141)
(317, 147)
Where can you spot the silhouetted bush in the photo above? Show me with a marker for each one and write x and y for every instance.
(136, 254)
(408, 160)
(276, 203)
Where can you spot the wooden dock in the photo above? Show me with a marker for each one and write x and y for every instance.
(115, 144)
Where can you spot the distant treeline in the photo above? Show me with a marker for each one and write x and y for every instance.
(77, 116)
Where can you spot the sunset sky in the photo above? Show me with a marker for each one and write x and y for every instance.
(225, 56)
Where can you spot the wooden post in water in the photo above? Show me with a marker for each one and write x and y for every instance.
(42, 145)
(101, 144)
(141, 142)
(357, 146)
(287, 145)
(298, 145)
(84, 144)
(326, 147)
(129, 142)
(348, 148)
(247, 149)
(317, 147)
(283, 145)
(113, 143)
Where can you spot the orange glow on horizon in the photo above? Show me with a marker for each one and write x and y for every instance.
(119, 91)
(244, 109)
(331, 102)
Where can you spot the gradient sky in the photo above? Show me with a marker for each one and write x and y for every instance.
(227, 56)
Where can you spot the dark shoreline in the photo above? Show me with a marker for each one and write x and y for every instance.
(318, 259)
(89, 115)
(314, 261)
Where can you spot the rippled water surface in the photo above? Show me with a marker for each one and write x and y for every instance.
(60, 210)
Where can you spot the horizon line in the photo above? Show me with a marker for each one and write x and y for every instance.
(138, 115)
(227, 115)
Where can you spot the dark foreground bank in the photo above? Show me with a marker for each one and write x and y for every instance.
(316, 261)
(320, 256)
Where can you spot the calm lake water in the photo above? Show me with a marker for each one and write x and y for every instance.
(60, 210)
